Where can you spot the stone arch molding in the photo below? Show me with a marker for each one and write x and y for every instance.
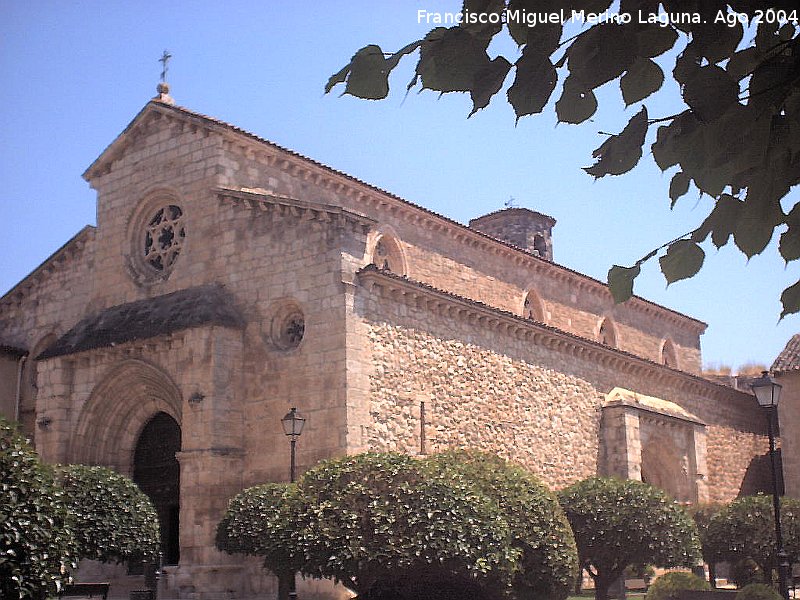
(384, 246)
(533, 306)
(119, 407)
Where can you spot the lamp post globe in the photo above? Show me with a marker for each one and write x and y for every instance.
(292, 424)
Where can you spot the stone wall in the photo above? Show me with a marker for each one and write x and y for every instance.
(9, 373)
(789, 414)
(498, 384)
(451, 257)
(43, 306)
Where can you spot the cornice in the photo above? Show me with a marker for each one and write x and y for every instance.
(421, 295)
(69, 250)
(245, 143)
(280, 206)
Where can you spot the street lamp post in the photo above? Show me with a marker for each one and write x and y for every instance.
(292, 426)
(768, 394)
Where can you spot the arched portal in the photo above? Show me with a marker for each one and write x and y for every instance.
(157, 472)
(666, 467)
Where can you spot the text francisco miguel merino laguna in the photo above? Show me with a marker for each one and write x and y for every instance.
(532, 19)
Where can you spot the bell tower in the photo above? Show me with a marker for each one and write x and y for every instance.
(522, 227)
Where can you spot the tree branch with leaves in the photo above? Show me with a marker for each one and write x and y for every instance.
(737, 139)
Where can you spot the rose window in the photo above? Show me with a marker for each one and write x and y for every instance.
(164, 237)
(293, 329)
(288, 326)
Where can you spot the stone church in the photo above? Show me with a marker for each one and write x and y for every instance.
(229, 279)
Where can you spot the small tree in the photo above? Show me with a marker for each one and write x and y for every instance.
(465, 524)
(114, 520)
(538, 525)
(36, 543)
(263, 521)
(746, 529)
(712, 547)
(385, 525)
(618, 523)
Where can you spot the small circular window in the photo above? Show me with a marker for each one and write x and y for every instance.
(288, 326)
(163, 237)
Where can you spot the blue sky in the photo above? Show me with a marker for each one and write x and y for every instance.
(75, 73)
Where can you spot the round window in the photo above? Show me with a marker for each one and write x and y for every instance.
(288, 326)
(163, 237)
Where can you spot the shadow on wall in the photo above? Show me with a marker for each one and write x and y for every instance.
(758, 477)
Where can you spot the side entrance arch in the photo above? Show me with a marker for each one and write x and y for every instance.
(656, 441)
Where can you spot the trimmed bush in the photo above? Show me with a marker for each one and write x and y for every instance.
(622, 522)
(113, 519)
(668, 585)
(758, 591)
(465, 525)
(746, 529)
(263, 521)
(36, 543)
(379, 522)
(538, 524)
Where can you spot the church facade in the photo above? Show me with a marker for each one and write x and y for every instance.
(229, 279)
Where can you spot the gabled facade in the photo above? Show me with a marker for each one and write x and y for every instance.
(229, 279)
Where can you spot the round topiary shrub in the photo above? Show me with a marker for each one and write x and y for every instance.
(668, 585)
(384, 523)
(538, 524)
(114, 520)
(758, 591)
(622, 522)
(36, 543)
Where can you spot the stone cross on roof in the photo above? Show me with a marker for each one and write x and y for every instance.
(163, 86)
(164, 60)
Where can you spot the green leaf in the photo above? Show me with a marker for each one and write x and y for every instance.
(394, 59)
(790, 298)
(620, 281)
(337, 78)
(488, 82)
(534, 83)
(716, 41)
(620, 153)
(686, 65)
(759, 215)
(643, 78)
(678, 186)
(721, 222)
(576, 103)
(369, 76)
(743, 63)
(488, 28)
(653, 40)
(683, 259)
(450, 59)
(601, 54)
(709, 91)
(789, 246)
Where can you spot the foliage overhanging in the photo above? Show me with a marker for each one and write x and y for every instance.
(737, 138)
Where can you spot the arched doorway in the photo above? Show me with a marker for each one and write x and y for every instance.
(157, 472)
(664, 466)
